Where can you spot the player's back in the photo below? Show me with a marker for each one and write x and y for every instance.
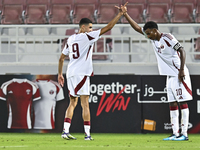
(80, 53)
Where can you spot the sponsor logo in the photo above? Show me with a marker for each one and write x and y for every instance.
(168, 126)
(10, 92)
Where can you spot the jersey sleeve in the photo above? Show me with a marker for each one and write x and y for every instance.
(175, 44)
(2, 95)
(60, 95)
(59, 91)
(65, 49)
(95, 35)
(36, 91)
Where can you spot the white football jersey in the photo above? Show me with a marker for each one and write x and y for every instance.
(44, 110)
(167, 55)
(79, 47)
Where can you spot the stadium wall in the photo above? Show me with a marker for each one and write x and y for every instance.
(118, 104)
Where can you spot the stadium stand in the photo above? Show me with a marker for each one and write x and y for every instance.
(136, 10)
(84, 9)
(182, 11)
(197, 11)
(159, 11)
(12, 11)
(61, 11)
(36, 11)
(107, 11)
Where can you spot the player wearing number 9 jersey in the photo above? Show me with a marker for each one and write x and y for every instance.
(79, 47)
(171, 62)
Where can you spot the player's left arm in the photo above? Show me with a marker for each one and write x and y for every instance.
(111, 24)
(181, 74)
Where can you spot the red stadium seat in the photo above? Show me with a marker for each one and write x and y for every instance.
(182, 11)
(136, 10)
(159, 11)
(61, 11)
(12, 11)
(197, 12)
(107, 10)
(84, 9)
(36, 11)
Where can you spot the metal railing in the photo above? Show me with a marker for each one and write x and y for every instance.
(42, 43)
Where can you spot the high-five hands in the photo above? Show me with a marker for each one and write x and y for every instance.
(122, 8)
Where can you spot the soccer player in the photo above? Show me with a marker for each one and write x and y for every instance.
(171, 62)
(79, 47)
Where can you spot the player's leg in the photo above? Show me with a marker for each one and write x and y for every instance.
(68, 117)
(184, 122)
(86, 115)
(173, 107)
(184, 95)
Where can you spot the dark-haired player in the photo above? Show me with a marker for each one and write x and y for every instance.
(79, 48)
(171, 62)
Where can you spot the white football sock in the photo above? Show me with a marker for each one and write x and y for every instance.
(174, 115)
(184, 121)
(87, 129)
(66, 127)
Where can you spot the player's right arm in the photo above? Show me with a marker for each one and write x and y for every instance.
(111, 24)
(60, 67)
(134, 25)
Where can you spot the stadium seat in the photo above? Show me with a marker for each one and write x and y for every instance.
(37, 11)
(61, 11)
(136, 10)
(107, 10)
(12, 12)
(159, 11)
(182, 11)
(197, 11)
(84, 9)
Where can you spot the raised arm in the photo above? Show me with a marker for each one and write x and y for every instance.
(111, 24)
(134, 25)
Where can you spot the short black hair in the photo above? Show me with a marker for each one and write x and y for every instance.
(150, 25)
(84, 21)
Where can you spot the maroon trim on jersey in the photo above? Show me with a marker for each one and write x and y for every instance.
(52, 120)
(178, 54)
(79, 86)
(167, 43)
(92, 74)
(88, 52)
(175, 65)
(89, 37)
(183, 106)
(87, 123)
(187, 88)
(168, 36)
(173, 108)
(69, 93)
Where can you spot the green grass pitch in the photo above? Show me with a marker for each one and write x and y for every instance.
(53, 141)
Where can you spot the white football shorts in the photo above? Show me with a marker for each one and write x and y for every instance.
(179, 91)
(78, 85)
